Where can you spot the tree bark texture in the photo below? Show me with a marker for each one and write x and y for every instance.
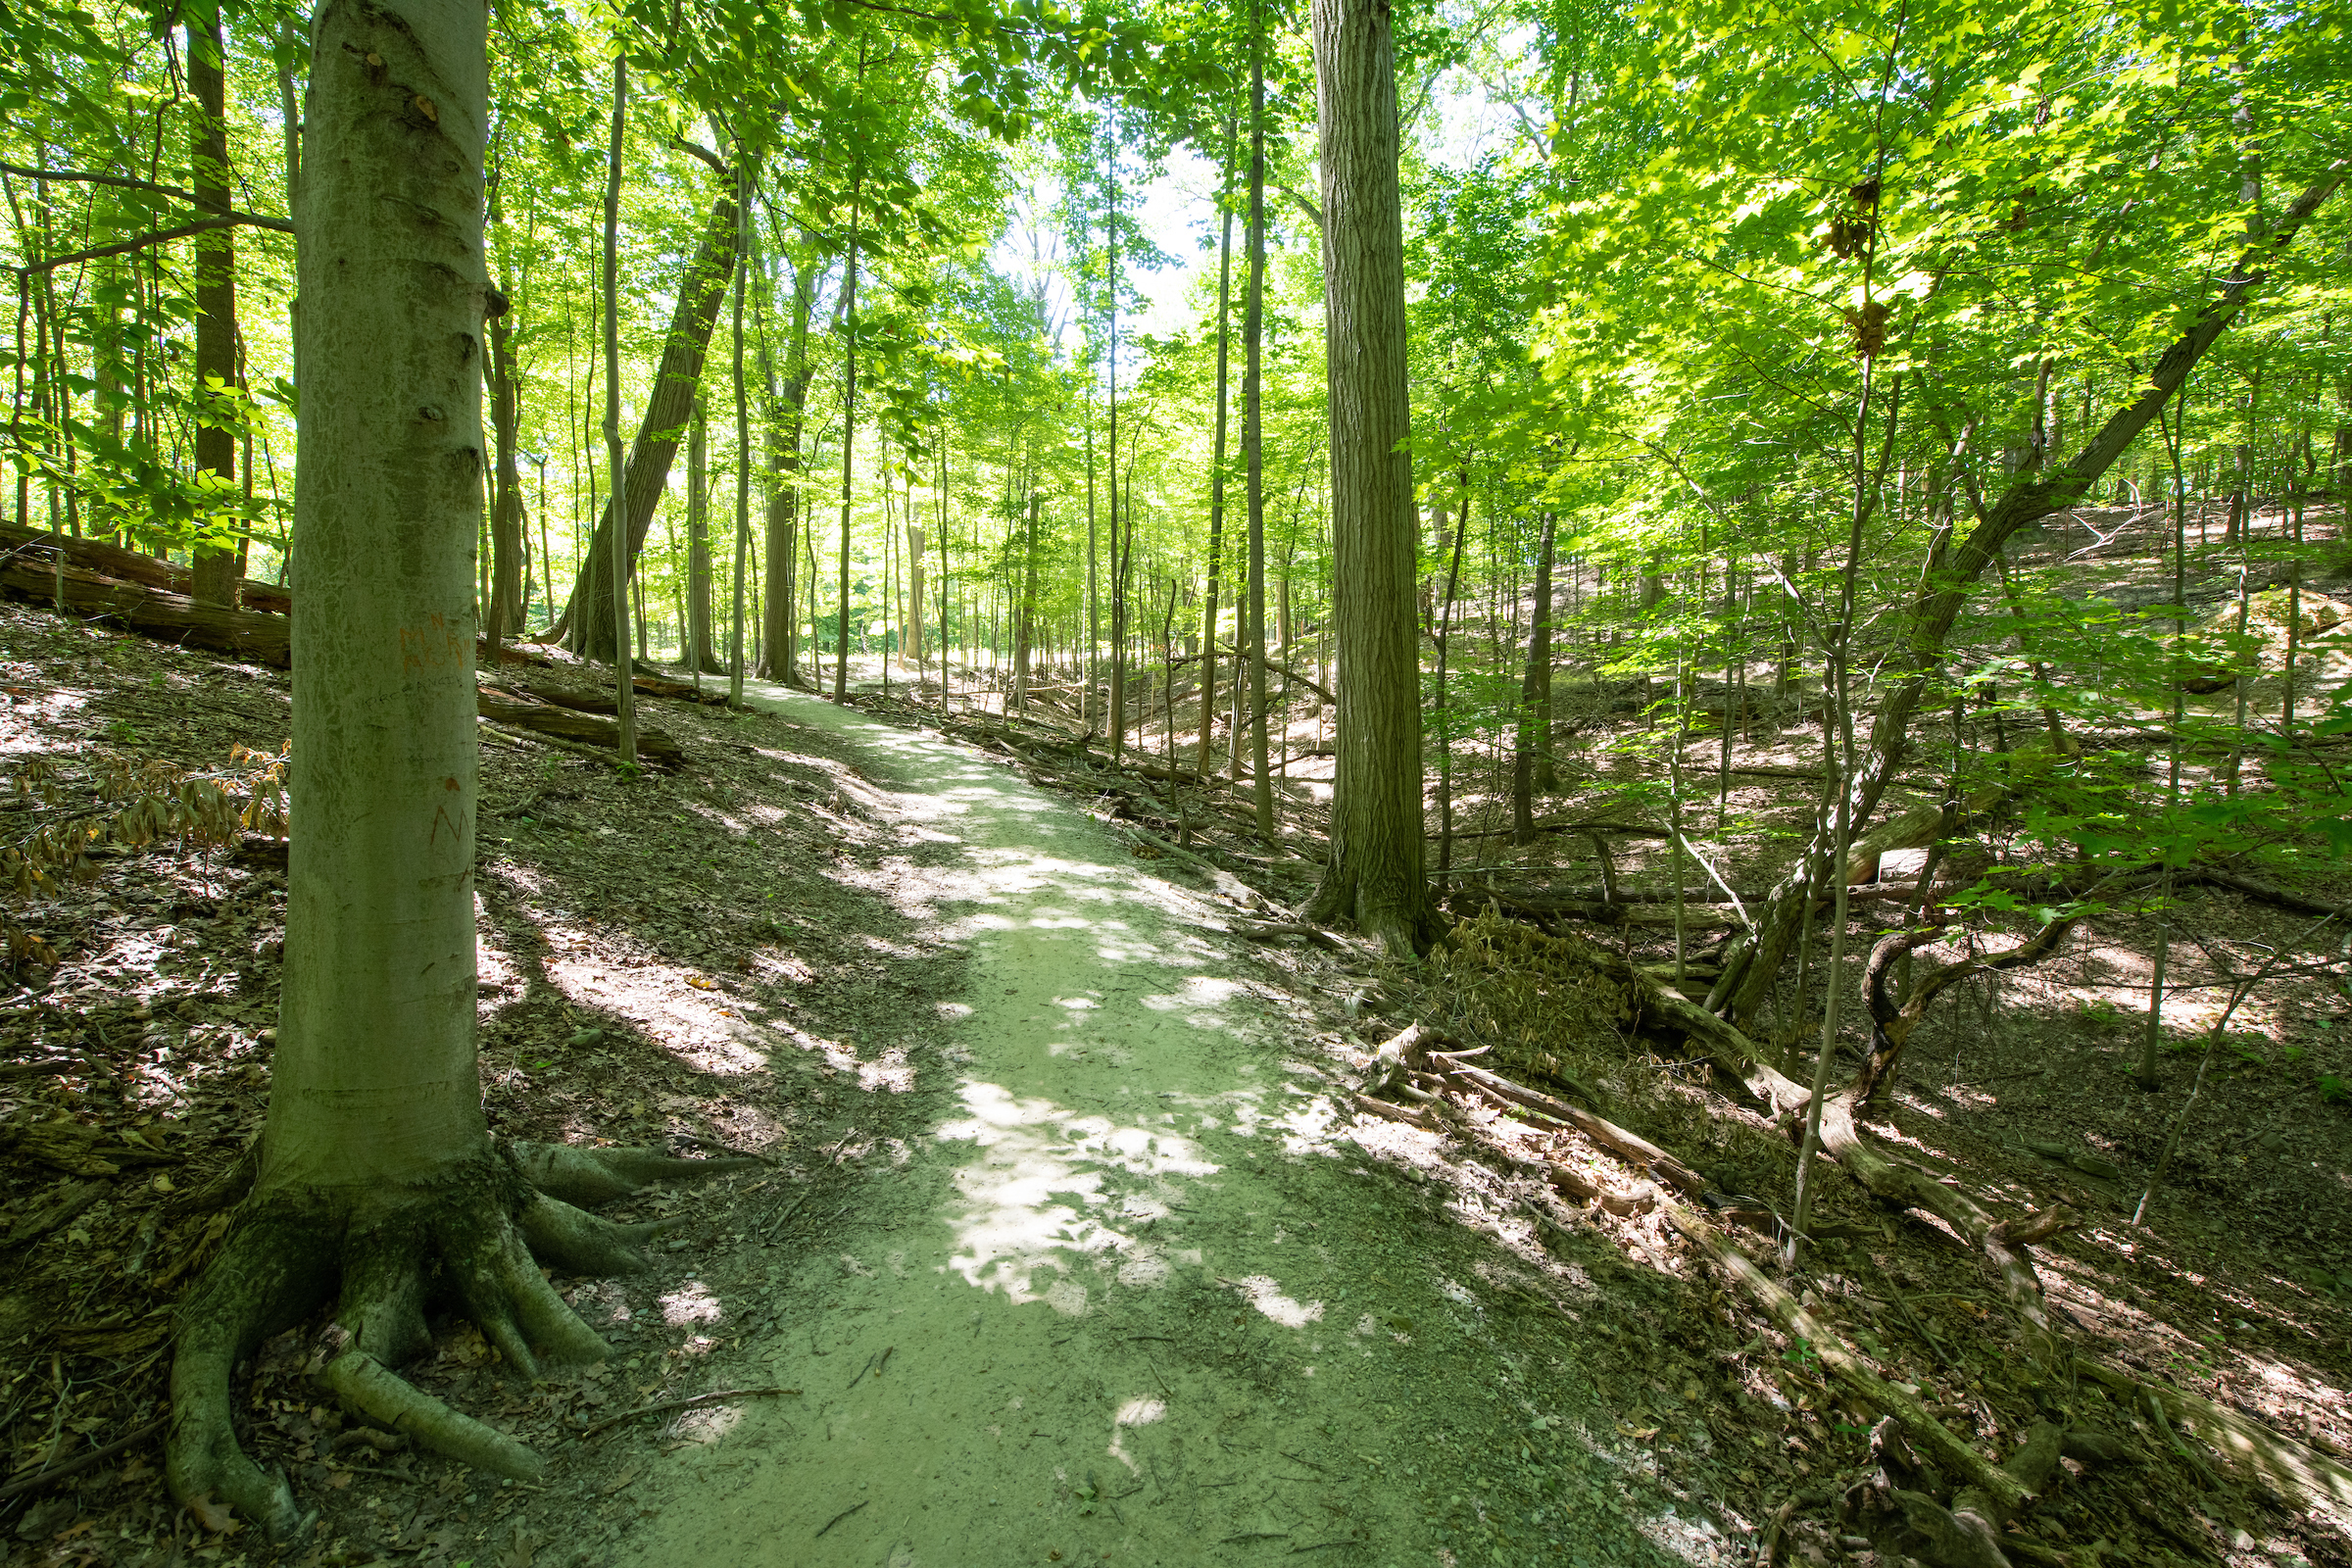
(848, 448)
(1375, 875)
(505, 616)
(1530, 756)
(779, 643)
(373, 1081)
(699, 657)
(1216, 470)
(1253, 322)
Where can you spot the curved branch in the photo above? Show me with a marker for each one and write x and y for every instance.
(159, 237)
(1891, 1024)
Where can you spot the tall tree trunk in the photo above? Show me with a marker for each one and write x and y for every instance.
(743, 434)
(1530, 758)
(507, 598)
(1750, 963)
(376, 1171)
(215, 567)
(780, 640)
(1023, 630)
(1443, 635)
(1110, 478)
(1217, 472)
(373, 1093)
(849, 439)
(1375, 875)
(593, 614)
(619, 550)
(1252, 430)
(1095, 592)
(698, 658)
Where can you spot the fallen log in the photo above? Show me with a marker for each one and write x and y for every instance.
(131, 566)
(168, 615)
(1719, 1040)
(604, 701)
(2263, 892)
(1939, 1445)
(1902, 1183)
(1411, 1118)
(250, 635)
(566, 724)
(1629, 1147)
(2288, 1467)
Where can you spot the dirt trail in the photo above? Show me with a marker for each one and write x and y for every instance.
(1130, 1294)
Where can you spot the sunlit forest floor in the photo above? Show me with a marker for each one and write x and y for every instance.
(713, 956)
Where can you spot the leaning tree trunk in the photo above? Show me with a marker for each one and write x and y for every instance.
(376, 1172)
(1217, 465)
(779, 642)
(1749, 966)
(1253, 324)
(1375, 875)
(217, 571)
(698, 658)
(591, 617)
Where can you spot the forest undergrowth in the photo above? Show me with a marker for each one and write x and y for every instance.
(2101, 1241)
(1536, 1069)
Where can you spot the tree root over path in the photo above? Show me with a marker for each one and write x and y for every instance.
(488, 1225)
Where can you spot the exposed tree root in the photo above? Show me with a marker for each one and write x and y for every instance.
(487, 1226)
(1892, 1180)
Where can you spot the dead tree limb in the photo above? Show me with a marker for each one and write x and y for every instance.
(1937, 1444)
(1891, 1024)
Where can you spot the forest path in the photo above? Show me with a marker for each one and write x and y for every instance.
(1129, 1295)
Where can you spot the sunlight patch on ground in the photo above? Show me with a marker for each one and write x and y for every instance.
(707, 1426)
(1034, 1200)
(891, 1070)
(1266, 1293)
(1136, 1412)
(691, 1302)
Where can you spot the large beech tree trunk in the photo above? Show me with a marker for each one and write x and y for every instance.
(590, 619)
(1375, 875)
(376, 1170)
(1752, 961)
(374, 1082)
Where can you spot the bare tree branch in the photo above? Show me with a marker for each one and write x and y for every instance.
(159, 237)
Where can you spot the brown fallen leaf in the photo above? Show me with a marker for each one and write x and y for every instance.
(619, 1481)
(214, 1514)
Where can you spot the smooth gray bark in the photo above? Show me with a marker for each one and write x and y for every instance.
(373, 1081)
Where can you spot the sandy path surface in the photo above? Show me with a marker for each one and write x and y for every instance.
(1129, 1294)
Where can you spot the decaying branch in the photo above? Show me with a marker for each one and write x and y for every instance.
(1891, 1021)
